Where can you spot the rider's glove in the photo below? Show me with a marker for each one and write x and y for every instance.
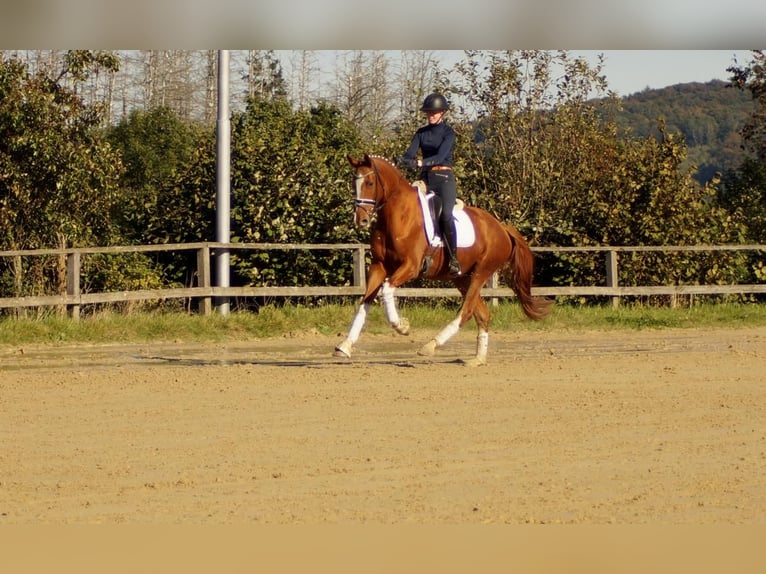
(407, 162)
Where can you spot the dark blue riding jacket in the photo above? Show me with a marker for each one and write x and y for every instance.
(436, 142)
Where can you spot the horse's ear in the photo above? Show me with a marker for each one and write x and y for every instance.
(357, 162)
(354, 162)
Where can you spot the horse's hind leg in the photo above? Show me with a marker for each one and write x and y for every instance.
(473, 306)
(482, 316)
(463, 314)
(429, 349)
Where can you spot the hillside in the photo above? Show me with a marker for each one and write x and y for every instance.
(709, 115)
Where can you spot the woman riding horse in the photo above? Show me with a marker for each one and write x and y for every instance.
(386, 201)
(436, 142)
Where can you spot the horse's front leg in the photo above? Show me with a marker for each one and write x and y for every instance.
(375, 277)
(404, 273)
(387, 299)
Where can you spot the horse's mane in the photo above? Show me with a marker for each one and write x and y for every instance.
(381, 158)
(392, 165)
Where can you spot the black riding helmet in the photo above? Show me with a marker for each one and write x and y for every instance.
(435, 103)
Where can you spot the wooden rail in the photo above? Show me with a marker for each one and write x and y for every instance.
(205, 292)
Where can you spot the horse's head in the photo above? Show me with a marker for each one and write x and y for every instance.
(372, 184)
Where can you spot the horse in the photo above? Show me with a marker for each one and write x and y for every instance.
(387, 203)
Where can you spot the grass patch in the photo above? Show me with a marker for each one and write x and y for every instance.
(331, 319)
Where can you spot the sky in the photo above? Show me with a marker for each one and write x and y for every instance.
(652, 43)
(631, 71)
(627, 71)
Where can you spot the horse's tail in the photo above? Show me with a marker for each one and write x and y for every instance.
(522, 265)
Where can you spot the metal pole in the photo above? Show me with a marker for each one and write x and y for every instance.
(223, 178)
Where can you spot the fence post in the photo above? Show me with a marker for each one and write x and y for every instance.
(493, 284)
(18, 283)
(73, 283)
(205, 304)
(360, 273)
(612, 279)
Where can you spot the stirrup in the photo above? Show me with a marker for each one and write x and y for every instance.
(454, 267)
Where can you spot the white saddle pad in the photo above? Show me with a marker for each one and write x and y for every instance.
(466, 235)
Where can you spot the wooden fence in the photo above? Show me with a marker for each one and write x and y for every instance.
(71, 298)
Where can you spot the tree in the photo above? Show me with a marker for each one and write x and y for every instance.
(753, 79)
(58, 175)
(289, 178)
(364, 96)
(264, 75)
(155, 145)
(305, 70)
(520, 147)
(290, 184)
(743, 193)
(419, 74)
(546, 156)
(743, 190)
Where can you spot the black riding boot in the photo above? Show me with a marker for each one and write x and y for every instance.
(450, 244)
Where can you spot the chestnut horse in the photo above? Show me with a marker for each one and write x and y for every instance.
(399, 248)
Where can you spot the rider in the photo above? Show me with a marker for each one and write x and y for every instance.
(436, 141)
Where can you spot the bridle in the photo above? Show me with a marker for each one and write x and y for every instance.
(370, 206)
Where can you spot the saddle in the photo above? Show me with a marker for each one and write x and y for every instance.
(431, 204)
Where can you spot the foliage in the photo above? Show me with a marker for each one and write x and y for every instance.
(80, 64)
(58, 176)
(742, 195)
(60, 180)
(636, 192)
(155, 145)
(752, 78)
(510, 157)
(115, 272)
(264, 75)
(290, 180)
(743, 191)
(548, 159)
(709, 117)
(184, 211)
(289, 184)
(534, 147)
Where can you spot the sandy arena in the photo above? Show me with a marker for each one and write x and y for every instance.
(627, 427)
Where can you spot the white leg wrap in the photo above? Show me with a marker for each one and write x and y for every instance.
(358, 323)
(389, 304)
(343, 350)
(482, 345)
(354, 331)
(445, 334)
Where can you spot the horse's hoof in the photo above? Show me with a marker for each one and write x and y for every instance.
(476, 362)
(429, 349)
(403, 328)
(343, 351)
